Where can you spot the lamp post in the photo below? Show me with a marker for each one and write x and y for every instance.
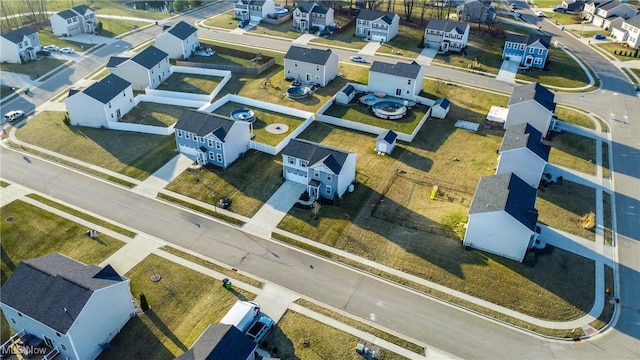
(215, 206)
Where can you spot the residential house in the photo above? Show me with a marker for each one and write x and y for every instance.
(72, 308)
(79, 19)
(476, 11)
(377, 25)
(502, 217)
(211, 138)
(19, 45)
(609, 11)
(179, 40)
(310, 65)
(253, 10)
(573, 6)
(401, 79)
(148, 69)
(327, 171)
(310, 15)
(108, 101)
(440, 108)
(591, 7)
(618, 33)
(533, 104)
(523, 153)
(529, 50)
(386, 142)
(222, 341)
(446, 35)
(346, 94)
(632, 27)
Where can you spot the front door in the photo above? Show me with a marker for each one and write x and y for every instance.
(313, 191)
(528, 61)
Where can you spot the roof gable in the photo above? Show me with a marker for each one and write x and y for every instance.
(316, 153)
(17, 36)
(82, 9)
(536, 92)
(220, 341)
(370, 15)
(203, 123)
(388, 136)
(447, 26)
(525, 136)
(443, 103)
(309, 55)
(67, 14)
(401, 69)
(150, 57)
(108, 88)
(58, 288)
(182, 30)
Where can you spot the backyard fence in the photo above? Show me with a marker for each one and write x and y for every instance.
(146, 129)
(168, 101)
(266, 63)
(185, 96)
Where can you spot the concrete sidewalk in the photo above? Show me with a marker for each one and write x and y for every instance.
(128, 256)
(426, 56)
(303, 39)
(370, 48)
(508, 71)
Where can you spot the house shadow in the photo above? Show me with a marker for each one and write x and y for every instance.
(136, 341)
(160, 325)
(576, 198)
(8, 262)
(278, 344)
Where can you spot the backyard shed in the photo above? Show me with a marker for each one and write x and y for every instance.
(346, 94)
(440, 108)
(386, 142)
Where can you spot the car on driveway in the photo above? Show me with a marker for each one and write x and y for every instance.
(44, 53)
(67, 50)
(560, 9)
(13, 115)
(243, 23)
(539, 14)
(260, 329)
(599, 37)
(359, 59)
(51, 48)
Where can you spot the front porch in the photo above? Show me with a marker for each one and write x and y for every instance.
(27, 346)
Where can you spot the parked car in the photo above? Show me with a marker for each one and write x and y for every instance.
(243, 23)
(51, 48)
(259, 330)
(43, 53)
(67, 50)
(539, 14)
(357, 58)
(560, 9)
(13, 115)
(599, 37)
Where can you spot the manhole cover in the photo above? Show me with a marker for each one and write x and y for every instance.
(10, 218)
(155, 277)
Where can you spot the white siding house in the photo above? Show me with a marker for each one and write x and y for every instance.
(309, 65)
(446, 35)
(109, 100)
(401, 79)
(79, 19)
(533, 104)
(502, 217)
(148, 69)
(523, 153)
(179, 40)
(72, 308)
(253, 10)
(632, 27)
(310, 14)
(377, 26)
(19, 45)
(605, 13)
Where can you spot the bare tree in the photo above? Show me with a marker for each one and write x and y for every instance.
(408, 9)
(424, 10)
(11, 21)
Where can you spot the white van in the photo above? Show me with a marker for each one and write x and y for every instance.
(13, 115)
(241, 315)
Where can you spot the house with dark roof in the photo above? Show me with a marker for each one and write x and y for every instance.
(327, 172)
(573, 6)
(403, 80)
(475, 11)
(591, 8)
(632, 28)
(253, 10)
(377, 26)
(19, 45)
(309, 65)
(310, 15)
(76, 20)
(102, 103)
(529, 50)
(179, 40)
(72, 308)
(502, 217)
(386, 142)
(440, 108)
(523, 153)
(531, 103)
(611, 10)
(212, 139)
(148, 69)
(224, 342)
(446, 35)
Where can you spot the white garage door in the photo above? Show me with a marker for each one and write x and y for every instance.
(377, 38)
(516, 58)
(300, 179)
(187, 150)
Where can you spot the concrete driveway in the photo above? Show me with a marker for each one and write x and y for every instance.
(426, 56)
(508, 71)
(274, 210)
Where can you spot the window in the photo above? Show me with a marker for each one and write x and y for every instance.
(317, 67)
(210, 142)
(304, 163)
(58, 334)
(540, 51)
(537, 61)
(68, 21)
(13, 320)
(328, 189)
(295, 63)
(179, 133)
(187, 135)
(219, 158)
(200, 139)
(124, 94)
(109, 103)
(521, 46)
(19, 314)
(316, 173)
(408, 81)
(211, 155)
(62, 346)
(218, 145)
(508, 45)
(291, 160)
(329, 176)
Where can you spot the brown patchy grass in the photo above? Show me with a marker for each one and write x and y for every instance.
(562, 206)
(148, 113)
(224, 20)
(573, 151)
(191, 83)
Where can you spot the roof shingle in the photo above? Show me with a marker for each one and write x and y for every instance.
(203, 123)
(316, 153)
(399, 69)
(309, 55)
(108, 88)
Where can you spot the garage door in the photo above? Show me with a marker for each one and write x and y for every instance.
(301, 179)
(377, 38)
(187, 150)
(516, 58)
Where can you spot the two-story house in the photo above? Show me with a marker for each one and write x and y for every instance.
(224, 342)
(327, 172)
(573, 6)
(475, 11)
(211, 138)
(377, 25)
(591, 7)
(403, 80)
(502, 217)
(79, 19)
(609, 11)
(179, 40)
(529, 50)
(253, 10)
(531, 103)
(446, 35)
(148, 69)
(19, 45)
(104, 102)
(310, 65)
(523, 153)
(72, 308)
(309, 15)
(632, 29)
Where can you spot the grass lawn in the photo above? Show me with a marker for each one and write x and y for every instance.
(406, 43)
(573, 151)
(575, 117)
(132, 154)
(563, 71)
(562, 19)
(343, 39)
(148, 113)
(617, 51)
(264, 118)
(562, 206)
(224, 20)
(115, 27)
(34, 69)
(248, 193)
(191, 83)
(359, 113)
(183, 304)
(283, 30)
(484, 53)
(47, 38)
(99, 75)
(6, 91)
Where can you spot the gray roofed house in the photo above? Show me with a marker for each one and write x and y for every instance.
(309, 55)
(67, 302)
(311, 16)
(531, 103)
(402, 80)
(150, 57)
(182, 30)
(108, 88)
(203, 123)
(148, 69)
(525, 136)
(523, 153)
(316, 153)
(221, 341)
(114, 61)
(19, 46)
(76, 20)
(17, 36)
(533, 91)
(377, 26)
(179, 41)
(310, 66)
(398, 69)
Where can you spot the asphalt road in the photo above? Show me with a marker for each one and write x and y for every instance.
(437, 324)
